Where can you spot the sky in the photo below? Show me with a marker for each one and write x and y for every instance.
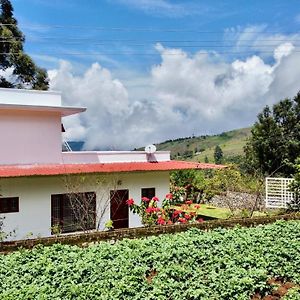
(152, 70)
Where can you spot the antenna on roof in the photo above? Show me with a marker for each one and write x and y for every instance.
(150, 149)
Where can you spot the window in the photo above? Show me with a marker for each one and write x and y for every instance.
(9, 205)
(73, 212)
(148, 192)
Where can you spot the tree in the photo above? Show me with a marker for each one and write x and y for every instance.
(89, 209)
(218, 155)
(206, 159)
(275, 141)
(24, 72)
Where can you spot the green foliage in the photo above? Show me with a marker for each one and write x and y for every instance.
(231, 179)
(109, 225)
(294, 205)
(220, 264)
(218, 155)
(293, 294)
(25, 72)
(275, 141)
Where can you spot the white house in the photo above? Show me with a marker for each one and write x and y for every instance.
(37, 177)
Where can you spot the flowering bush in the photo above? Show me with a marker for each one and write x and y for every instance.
(151, 214)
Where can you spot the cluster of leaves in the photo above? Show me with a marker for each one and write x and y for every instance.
(151, 214)
(275, 142)
(221, 264)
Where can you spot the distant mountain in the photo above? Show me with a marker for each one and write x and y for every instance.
(76, 146)
(196, 148)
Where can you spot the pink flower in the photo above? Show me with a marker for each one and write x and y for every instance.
(188, 217)
(155, 199)
(169, 196)
(189, 202)
(200, 220)
(130, 202)
(170, 222)
(145, 199)
(182, 220)
(149, 210)
(161, 221)
(177, 212)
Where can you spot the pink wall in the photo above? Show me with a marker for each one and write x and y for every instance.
(30, 137)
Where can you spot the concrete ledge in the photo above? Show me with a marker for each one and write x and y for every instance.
(84, 239)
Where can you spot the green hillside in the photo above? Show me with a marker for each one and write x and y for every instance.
(196, 148)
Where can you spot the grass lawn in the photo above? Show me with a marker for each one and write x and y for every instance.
(210, 211)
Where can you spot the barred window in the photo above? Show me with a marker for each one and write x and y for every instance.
(9, 205)
(73, 212)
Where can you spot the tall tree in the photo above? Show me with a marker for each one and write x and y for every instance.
(23, 71)
(218, 155)
(275, 141)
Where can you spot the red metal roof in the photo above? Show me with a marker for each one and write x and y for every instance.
(63, 169)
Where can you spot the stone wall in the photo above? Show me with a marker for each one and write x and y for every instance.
(236, 200)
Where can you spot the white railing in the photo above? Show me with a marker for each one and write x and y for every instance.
(278, 193)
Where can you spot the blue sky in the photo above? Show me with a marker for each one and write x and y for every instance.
(160, 69)
(85, 25)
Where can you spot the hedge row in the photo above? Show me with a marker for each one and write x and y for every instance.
(84, 238)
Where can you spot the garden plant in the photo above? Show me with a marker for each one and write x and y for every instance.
(220, 264)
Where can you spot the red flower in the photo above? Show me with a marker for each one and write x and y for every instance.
(145, 199)
(149, 210)
(182, 220)
(161, 221)
(170, 222)
(189, 202)
(177, 213)
(155, 199)
(200, 220)
(197, 206)
(169, 196)
(130, 202)
(188, 217)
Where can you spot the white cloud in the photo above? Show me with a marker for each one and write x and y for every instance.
(186, 94)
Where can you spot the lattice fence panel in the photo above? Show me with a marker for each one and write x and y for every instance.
(278, 193)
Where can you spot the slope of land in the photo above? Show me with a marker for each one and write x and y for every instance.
(197, 148)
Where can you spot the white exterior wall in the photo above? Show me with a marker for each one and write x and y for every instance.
(34, 216)
(30, 137)
(86, 157)
(30, 97)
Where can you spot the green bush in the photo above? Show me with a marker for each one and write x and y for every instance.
(220, 264)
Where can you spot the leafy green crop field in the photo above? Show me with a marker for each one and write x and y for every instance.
(220, 264)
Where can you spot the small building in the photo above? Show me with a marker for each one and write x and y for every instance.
(44, 189)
